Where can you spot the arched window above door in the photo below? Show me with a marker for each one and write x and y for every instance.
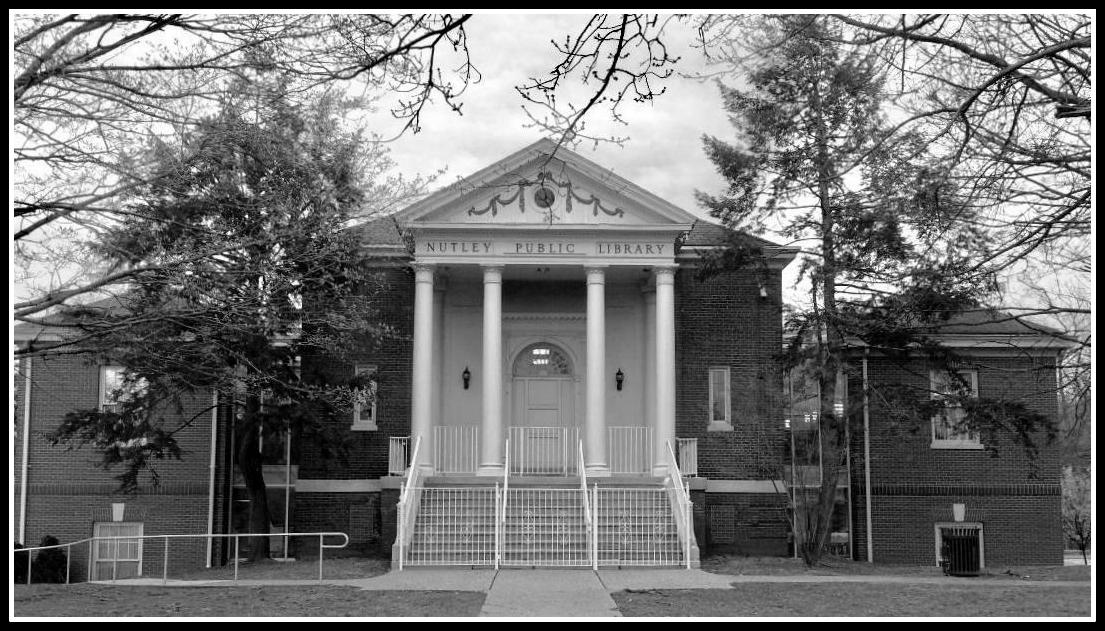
(542, 360)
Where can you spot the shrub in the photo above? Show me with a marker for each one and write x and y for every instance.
(49, 565)
(22, 561)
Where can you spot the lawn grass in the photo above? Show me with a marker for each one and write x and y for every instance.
(303, 569)
(92, 600)
(859, 600)
(833, 566)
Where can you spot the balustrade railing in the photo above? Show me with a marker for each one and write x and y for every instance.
(456, 449)
(688, 456)
(629, 449)
(398, 451)
(543, 450)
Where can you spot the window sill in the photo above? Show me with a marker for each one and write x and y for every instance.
(363, 427)
(956, 444)
(719, 426)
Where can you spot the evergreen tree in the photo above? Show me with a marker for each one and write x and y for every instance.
(814, 161)
(248, 268)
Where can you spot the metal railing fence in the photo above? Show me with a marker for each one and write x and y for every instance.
(456, 449)
(629, 449)
(130, 540)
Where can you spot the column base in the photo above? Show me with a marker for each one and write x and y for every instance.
(490, 470)
(598, 471)
(660, 470)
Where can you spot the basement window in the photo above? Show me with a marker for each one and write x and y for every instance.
(114, 559)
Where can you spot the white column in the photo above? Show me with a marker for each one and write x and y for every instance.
(649, 367)
(440, 413)
(595, 428)
(422, 376)
(491, 433)
(665, 367)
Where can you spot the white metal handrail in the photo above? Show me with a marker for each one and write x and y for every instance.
(398, 450)
(682, 505)
(500, 524)
(408, 501)
(91, 541)
(587, 520)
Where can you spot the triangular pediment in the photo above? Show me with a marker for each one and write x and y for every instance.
(546, 185)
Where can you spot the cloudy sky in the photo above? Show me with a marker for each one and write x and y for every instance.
(663, 152)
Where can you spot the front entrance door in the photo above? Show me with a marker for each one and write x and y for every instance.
(543, 433)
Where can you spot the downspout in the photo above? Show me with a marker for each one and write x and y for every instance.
(211, 469)
(288, 487)
(26, 450)
(867, 458)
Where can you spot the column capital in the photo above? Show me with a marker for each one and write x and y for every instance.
(423, 272)
(665, 275)
(492, 273)
(596, 274)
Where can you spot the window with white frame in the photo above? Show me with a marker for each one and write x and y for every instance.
(365, 401)
(116, 558)
(720, 408)
(114, 389)
(949, 426)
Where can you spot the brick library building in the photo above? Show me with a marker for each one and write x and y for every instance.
(566, 389)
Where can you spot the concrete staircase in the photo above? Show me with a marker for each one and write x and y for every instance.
(545, 524)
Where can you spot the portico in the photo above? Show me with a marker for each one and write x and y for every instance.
(544, 314)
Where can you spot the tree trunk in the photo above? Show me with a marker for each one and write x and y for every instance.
(830, 348)
(250, 466)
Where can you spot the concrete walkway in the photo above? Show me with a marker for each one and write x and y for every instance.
(548, 594)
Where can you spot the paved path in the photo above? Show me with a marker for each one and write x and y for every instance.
(549, 594)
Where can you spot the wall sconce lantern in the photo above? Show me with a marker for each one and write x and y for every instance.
(466, 376)
(619, 378)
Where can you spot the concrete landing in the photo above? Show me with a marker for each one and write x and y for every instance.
(548, 593)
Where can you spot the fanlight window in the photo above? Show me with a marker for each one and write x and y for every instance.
(542, 360)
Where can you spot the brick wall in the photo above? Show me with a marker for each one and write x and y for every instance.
(355, 514)
(68, 491)
(745, 523)
(724, 321)
(365, 453)
(1015, 497)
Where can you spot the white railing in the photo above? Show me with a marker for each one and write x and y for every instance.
(629, 449)
(398, 450)
(456, 526)
(544, 527)
(92, 542)
(587, 519)
(635, 527)
(456, 449)
(680, 506)
(501, 521)
(542, 450)
(688, 456)
(409, 499)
